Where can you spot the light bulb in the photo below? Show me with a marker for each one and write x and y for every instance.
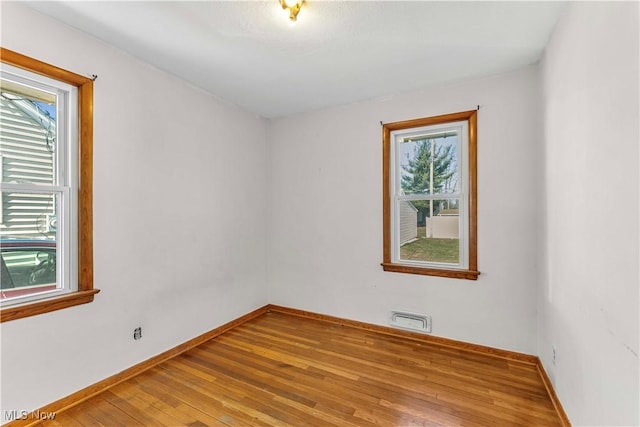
(291, 3)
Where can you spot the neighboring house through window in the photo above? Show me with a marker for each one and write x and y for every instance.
(429, 196)
(46, 126)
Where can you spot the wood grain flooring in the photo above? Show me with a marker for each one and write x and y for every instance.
(284, 370)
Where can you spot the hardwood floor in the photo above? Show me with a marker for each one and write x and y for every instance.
(284, 370)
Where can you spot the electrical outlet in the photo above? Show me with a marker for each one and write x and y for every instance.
(137, 333)
(553, 355)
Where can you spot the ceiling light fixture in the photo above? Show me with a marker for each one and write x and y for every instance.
(293, 6)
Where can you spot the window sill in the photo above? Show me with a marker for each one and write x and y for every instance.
(46, 306)
(410, 269)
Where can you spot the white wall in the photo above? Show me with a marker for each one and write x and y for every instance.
(589, 295)
(179, 233)
(325, 219)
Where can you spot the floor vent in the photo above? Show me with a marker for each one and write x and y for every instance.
(413, 322)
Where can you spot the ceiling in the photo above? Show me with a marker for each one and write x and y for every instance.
(339, 52)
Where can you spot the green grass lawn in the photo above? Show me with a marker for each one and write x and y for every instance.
(433, 250)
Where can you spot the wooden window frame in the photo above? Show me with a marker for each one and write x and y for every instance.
(85, 291)
(469, 273)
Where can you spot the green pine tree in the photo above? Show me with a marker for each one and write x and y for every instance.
(416, 176)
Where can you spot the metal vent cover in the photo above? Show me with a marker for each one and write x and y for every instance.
(410, 321)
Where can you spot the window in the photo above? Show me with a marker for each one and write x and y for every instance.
(46, 131)
(429, 196)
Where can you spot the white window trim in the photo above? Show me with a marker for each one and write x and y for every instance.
(462, 129)
(66, 181)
